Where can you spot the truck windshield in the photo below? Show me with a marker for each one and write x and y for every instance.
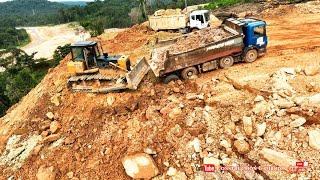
(259, 31)
(77, 54)
(207, 16)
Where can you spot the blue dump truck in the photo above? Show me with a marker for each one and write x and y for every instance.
(245, 40)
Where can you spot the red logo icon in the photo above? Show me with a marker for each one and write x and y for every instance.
(209, 168)
(301, 164)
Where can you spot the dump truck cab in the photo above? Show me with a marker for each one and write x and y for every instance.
(255, 39)
(199, 19)
(88, 55)
(255, 35)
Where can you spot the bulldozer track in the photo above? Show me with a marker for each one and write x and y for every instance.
(83, 83)
(90, 78)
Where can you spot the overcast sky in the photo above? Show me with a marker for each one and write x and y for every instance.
(56, 0)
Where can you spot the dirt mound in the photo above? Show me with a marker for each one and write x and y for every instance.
(129, 39)
(167, 12)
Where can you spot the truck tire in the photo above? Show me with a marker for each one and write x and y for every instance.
(171, 77)
(251, 55)
(187, 73)
(226, 62)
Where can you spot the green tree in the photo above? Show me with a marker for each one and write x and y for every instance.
(60, 53)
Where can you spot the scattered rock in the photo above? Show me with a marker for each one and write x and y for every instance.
(150, 151)
(70, 175)
(209, 140)
(194, 96)
(55, 99)
(46, 173)
(50, 115)
(69, 140)
(278, 158)
(176, 89)
(51, 138)
(189, 120)
(44, 134)
(140, 165)
(311, 70)
(171, 171)
(211, 160)
(260, 108)
(259, 98)
(152, 113)
(196, 145)
(54, 126)
(299, 100)
(175, 112)
(179, 176)
(247, 125)
(283, 103)
(224, 143)
(166, 164)
(298, 122)
(261, 128)
(314, 139)
(110, 100)
(315, 99)
(37, 149)
(44, 125)
(242, 146)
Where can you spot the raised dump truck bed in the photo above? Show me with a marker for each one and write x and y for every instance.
(198, 49)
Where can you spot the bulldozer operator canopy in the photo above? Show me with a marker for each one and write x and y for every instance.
(84, 44)
(78, 49)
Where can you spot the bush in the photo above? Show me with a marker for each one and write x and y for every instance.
(223, 3)
(60, 53)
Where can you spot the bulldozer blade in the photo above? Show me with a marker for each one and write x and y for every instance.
(135, 76)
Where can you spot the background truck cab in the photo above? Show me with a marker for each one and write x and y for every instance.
(199, 19)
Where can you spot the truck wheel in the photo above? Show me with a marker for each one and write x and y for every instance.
(251, 55)
(171, 77)
(187, 73)
(226, 62)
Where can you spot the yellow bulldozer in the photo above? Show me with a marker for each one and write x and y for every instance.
(89, 63)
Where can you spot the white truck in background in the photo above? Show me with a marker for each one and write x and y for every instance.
(184, 22)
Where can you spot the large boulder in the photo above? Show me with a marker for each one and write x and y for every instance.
(46, 173)
(311, 70)
(247, 125)
(314, 139)
(242, 146)
(140, 166)
(278, 158)
(315, 99)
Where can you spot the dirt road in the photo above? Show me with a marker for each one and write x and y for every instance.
(46, 39)
(256, 114)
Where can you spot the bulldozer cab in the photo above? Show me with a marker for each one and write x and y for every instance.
(86, 52)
